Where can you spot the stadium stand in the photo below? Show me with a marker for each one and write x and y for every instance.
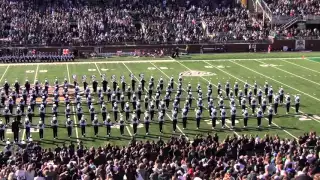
(128, 21)
(208, 157)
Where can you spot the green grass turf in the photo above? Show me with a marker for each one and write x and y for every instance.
(297, 76)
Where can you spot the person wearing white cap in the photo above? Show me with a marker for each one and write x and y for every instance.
(95, 124)
(54, 125)
(83, 124)
(2, 130)
(108, 124)
(223, 117)
(135, 122)
(297, 103)
(288, 103)
(121, 125)
(41, 128)
(6, 114)
(69, 125)
(27, 126)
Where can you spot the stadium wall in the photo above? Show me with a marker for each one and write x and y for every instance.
(277, 45)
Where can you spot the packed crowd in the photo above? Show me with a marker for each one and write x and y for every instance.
(294, 7)
(206, 157)
(92, 22)
(293, 33)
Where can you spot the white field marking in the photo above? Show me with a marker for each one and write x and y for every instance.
(311, 60)
(151, 68)
(74, 114)
(291, 74)
(277, 81)
(97, 68)
(283, 129)
(91, 70)
(4, 73)
(245, 82)
(301, 66)
(153, 98)
(126, 126)
(163, 67)
(34, 81)
(213, 85)
(29, 71)
(43, 71)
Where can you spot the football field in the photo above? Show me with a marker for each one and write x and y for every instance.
(295, 74)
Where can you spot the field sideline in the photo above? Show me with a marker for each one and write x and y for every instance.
(295, 74)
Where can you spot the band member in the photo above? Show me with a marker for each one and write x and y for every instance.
(270, 115)
(281, 93)
(223, 117)
(127, 110)
(245, 115)
(122, 102)
(92, 112)
(276, 104)
(259, 116)
(79, 112)
(83, 124)
(266, 88)
(15, 129)
(270, 94)
(135, 122)
(264, 105)
(174, 120)
(288, 103)
(104, 84)
(253, 105)
(260, 93)
(67, 111)
(233, 113)
(69, 125)
(255, 88)
(41, 128)
(104, 112)
(161, 121)
(246, 87)
(146, 122)
(54, 125)
(95, 124)
(108, 124)
(27, 126)
(2, 131)
(184, 117)
(138, 110)
(198, 117)
(151, 110)
(121, 125)
(6, 114)
(42, 111)
(227, 86)
(115, 111)
(27, 86)
(297, 103)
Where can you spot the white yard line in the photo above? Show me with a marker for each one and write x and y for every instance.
(34, 81)
(291, 73)
(244, 82)
(208, 82)
(153, 98)
(4, 73)
(277, 81)
(98, 68)
(301, 66)
(100, 75)
(312, 60)
(74, 115)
